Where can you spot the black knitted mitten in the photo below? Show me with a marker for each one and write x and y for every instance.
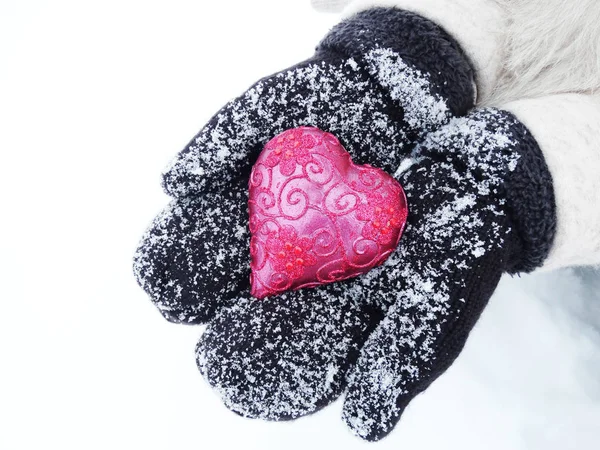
(378, 81)
(480, 203)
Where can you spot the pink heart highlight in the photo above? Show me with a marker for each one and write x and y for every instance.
(315, 216)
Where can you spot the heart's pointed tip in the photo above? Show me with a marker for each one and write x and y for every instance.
(257, 294)
(256, 290)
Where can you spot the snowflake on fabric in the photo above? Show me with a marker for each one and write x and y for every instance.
(290, 254)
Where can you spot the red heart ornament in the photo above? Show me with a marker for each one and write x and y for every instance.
(315, 216)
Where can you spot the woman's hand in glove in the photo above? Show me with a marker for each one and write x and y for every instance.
(378, 81)
(480, 203)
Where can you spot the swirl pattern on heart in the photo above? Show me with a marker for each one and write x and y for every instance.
(315, 216)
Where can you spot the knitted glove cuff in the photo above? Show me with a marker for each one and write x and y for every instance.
(418, 41)
(531, 201)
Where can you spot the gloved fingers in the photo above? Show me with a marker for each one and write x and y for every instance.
(284, 356)
(449, 261)
(333, 94)
(194, 257)
(419, 338)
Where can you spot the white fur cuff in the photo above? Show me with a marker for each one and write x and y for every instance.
(477, 25)
(329, 6)
(567, 128)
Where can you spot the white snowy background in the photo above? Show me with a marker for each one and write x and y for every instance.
(95, 98)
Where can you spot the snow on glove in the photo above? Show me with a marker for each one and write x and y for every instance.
(480, 203)
(377, 81)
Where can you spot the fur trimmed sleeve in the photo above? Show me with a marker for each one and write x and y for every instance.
(329, 6)
(567, 128)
